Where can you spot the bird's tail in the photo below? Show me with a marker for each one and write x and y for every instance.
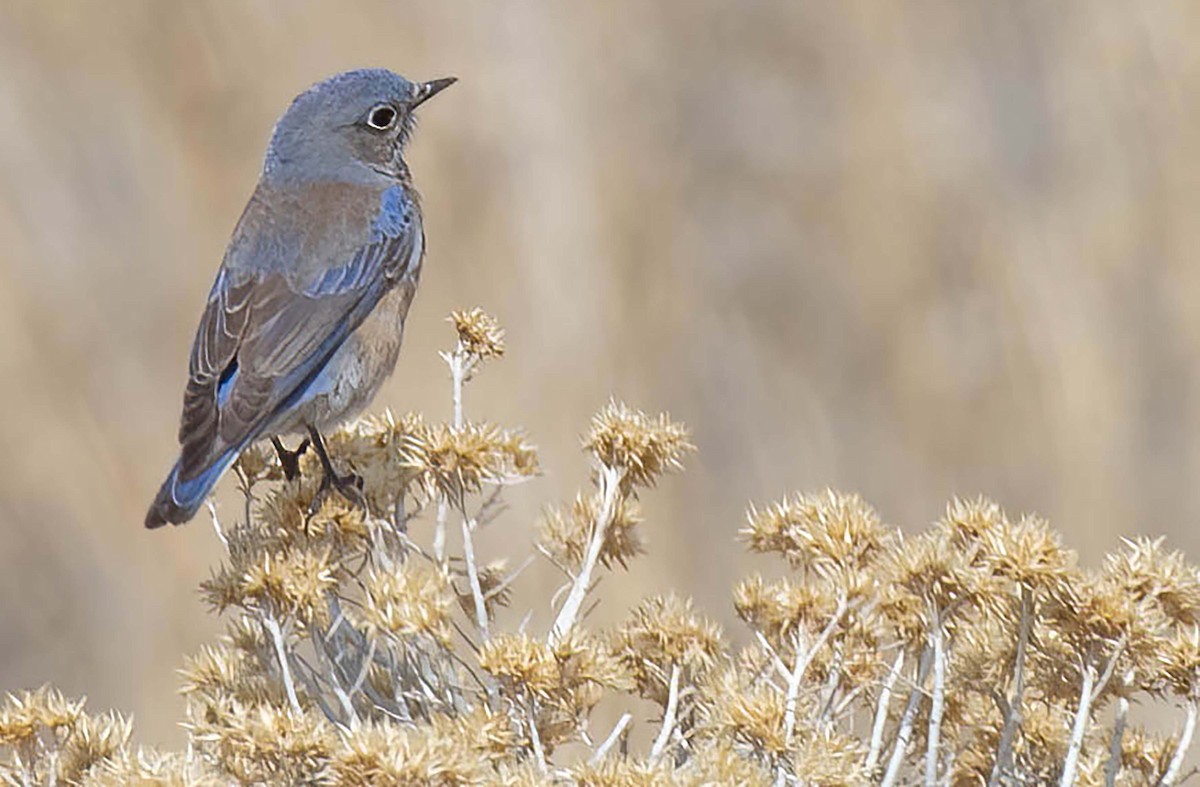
(178, 500)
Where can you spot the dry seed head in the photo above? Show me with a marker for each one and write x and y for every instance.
(479, 333)
(825, 758)
(149, 768)
(621, 772)
(1146, 571)
(662, 632)
(24, 715)
(777, 608)
(266, 744)
(967, 521)
(925, 568)
(748, 712)
(1146, 754)
(456, 462)
(1179, 663)
(520, 661)
(93, 740)
(294, 583)
(1030, 554)
(717, 762)
(415, 600)
(564, 534)
(642, 448)
(821, 531)
(574, 670)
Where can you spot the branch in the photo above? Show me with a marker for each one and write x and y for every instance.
(802, 662)
(1012, 718)
(1071, 764)
(881, 711)
(668, 722)
(610, 479)
(281, 653)
(1185, 740)
(906, 721)
(938, 703)
(481, 616)
(611, 740)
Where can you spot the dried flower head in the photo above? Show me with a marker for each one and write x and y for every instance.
(640, 447)
(479, 333)
(415, 600)
(457, 462)
(665, 632)
(827, 532)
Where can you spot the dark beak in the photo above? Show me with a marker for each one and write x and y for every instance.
(427, 90)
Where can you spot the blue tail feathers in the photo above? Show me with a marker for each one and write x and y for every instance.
(178, 501)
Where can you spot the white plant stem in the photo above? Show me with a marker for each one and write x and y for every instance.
(904, 734)
(804, 657)
(284, 666)
(881, 712)
(1071, 764)
(481, 616)
(1185, 741)
(937, 703)
(1012, 719)
(611, 740)
(1113, 769)
(610, 479)
(668, 721)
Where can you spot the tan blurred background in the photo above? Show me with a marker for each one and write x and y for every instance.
(908, 249)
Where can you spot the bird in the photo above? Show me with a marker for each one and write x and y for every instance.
(305, 318)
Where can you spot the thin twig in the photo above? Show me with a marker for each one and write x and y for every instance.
(881, 712)
(611, 740)
(216, 523)
(1185, 741)
(904, 736)
(1113, 769)
(610, 484)
(668, 721)
(938, 703)
(1012, 717)
(534, 737)
(281, 653)
(1082, 716)
(802, 662)
(481, 616)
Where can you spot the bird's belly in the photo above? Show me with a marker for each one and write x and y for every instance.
(356, 371)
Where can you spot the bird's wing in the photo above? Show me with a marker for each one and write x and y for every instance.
(288, 295)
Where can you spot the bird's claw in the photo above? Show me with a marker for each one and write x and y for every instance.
(349, 486)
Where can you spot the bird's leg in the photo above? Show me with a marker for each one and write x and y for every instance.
(349, 486)
(290, 460)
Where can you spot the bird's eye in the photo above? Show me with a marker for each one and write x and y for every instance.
(381, 117)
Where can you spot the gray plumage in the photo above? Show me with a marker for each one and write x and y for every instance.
(305, 318)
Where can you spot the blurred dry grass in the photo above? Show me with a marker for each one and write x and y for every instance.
(910, 249)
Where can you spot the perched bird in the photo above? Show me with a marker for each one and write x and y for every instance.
(305, 318)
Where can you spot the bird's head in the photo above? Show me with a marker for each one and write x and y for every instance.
(349, 125)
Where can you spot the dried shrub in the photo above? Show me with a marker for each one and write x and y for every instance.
(976, 652)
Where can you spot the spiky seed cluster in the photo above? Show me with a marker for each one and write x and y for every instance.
(479, 333)
(415, 600)
(458, 462)
(826, 532)
(641, 447)
(662, 633)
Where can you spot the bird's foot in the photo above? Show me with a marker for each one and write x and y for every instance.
(349, 486)
(289, 461)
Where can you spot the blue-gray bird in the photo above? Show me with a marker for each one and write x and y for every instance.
(304, 321)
